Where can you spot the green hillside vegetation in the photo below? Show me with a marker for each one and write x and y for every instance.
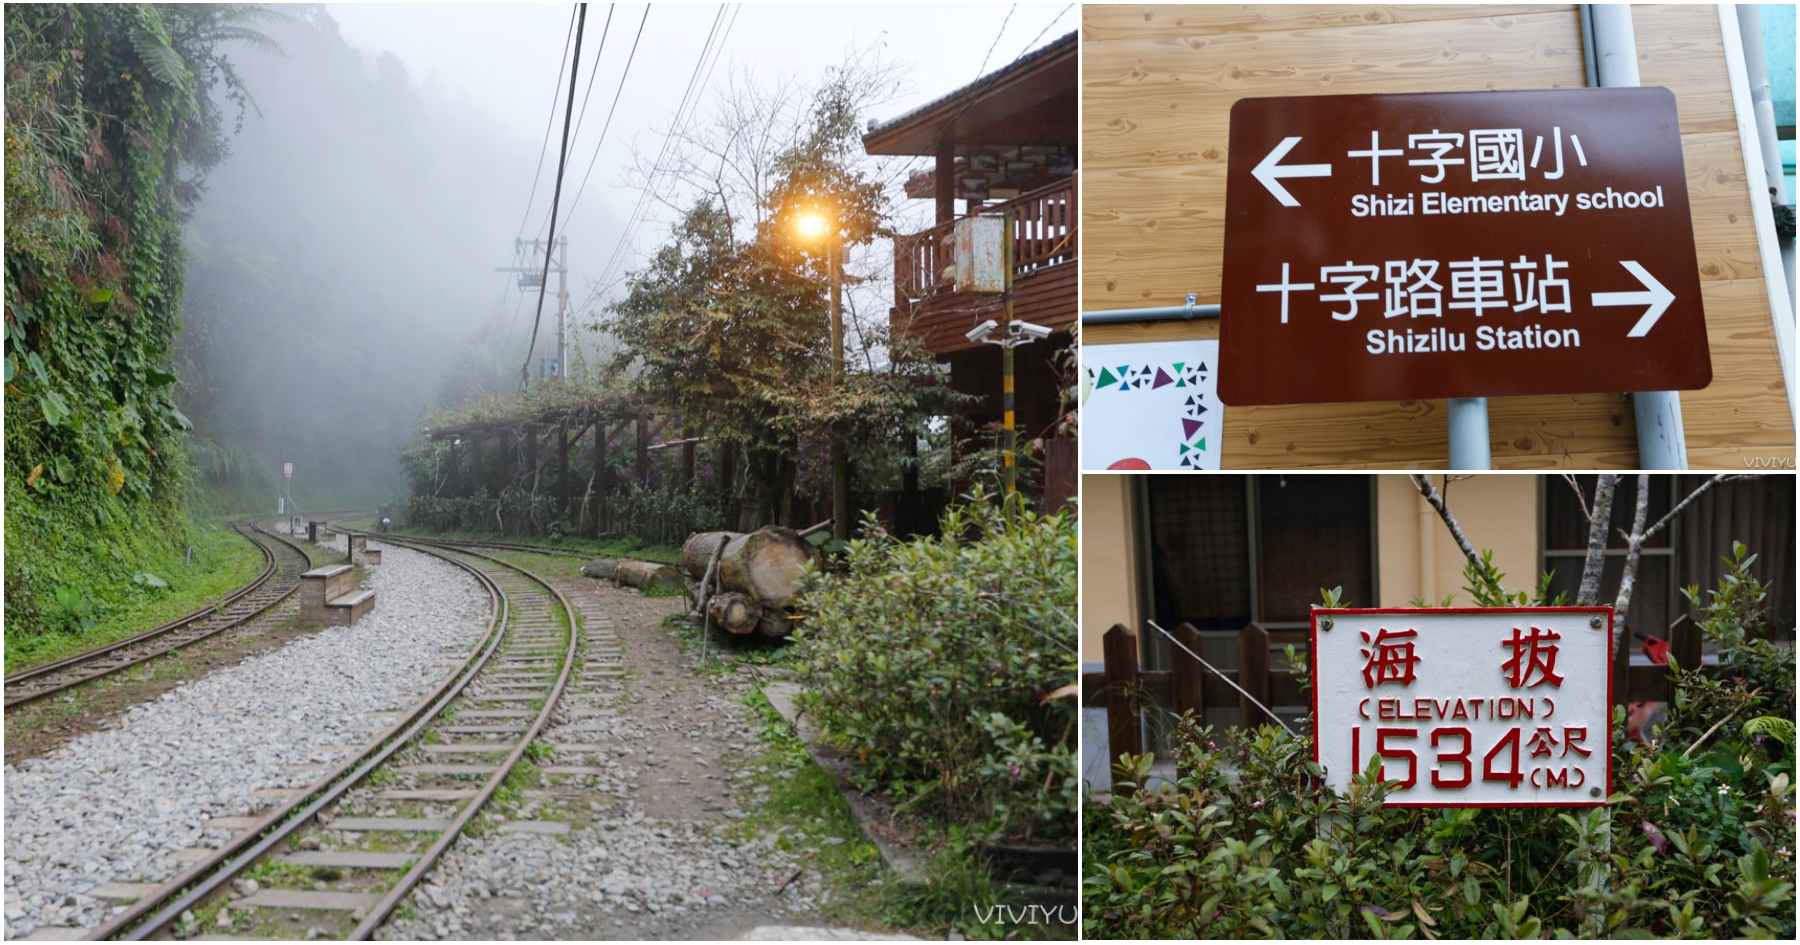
(111, 126)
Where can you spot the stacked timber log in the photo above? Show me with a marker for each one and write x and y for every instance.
(644, 575)
(746, 583)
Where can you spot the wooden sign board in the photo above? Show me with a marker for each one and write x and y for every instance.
(1501, 707)
(1458, 244)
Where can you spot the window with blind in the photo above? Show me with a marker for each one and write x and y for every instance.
(1227, 550)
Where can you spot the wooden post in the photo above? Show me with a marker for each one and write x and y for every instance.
(687, 457)
(563, 491)
(641, 471)
(599, 499)
(1253, 674)
(1187, 675)
(1187, 678)
(531, 456)
(1123, 726)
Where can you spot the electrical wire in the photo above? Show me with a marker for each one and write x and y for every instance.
(687, 98)
(996, 43)
(555, 199)
(537, 175)
(573, 204)
(581, 116)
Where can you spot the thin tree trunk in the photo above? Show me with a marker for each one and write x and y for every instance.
(1443, 510)
(1595, 565)
(1634, 547)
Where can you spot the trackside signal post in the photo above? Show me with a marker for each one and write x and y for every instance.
(1490, 707)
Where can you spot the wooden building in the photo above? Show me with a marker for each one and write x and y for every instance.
(1158, 84)
(1004, 144)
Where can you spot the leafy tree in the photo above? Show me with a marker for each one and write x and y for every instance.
(729, 328)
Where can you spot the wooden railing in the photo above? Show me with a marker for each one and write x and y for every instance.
(1044, 223)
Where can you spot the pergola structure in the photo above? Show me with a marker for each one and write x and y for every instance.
(544, 435)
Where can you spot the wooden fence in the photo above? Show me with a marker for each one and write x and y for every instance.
(1125, 688)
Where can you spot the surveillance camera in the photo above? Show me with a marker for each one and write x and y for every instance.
(980, 332)
(1029, 330)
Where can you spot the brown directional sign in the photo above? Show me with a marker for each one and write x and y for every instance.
(1461, 244)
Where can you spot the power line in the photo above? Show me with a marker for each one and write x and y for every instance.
(573, 204)
(581, 118)
(555, 198)
(549, 122)
(537, 175)
(1046, 29)
(996, 43)
(674, 130)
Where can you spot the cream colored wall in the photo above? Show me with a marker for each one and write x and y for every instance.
(1108, 556)
(1496, 511)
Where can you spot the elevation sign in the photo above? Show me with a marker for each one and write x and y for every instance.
(1488, 707)
(1458, 244)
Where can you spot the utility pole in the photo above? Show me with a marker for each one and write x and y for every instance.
(531, 276)
(840, 463)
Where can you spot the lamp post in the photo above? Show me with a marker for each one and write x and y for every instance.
(818, 226)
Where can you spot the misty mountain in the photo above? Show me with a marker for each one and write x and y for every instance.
(342, 269)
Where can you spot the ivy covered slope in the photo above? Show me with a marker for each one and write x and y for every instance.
(111, 125)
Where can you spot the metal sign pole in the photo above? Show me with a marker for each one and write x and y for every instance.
(1662, 442)
(1469, 447)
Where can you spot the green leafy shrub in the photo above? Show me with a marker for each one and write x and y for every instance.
(931, 662)
(1697, 840)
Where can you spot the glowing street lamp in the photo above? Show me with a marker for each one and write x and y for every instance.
(817, 226)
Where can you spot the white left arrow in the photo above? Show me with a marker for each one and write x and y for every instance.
(1270, 171)
(1657, 297)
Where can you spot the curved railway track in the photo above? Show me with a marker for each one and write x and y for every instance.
(283, 562)
(485, 717)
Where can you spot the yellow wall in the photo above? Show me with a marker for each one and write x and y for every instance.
(1108, 556)
(1158, 83)
(1498, 512)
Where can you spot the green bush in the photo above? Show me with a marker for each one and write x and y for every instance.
(931, 662)
(1697, 840)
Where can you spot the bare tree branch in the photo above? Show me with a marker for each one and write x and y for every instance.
(1708, 484)
(1595, 565)
(1634, 547)
(1579, 496)
(1443, 510)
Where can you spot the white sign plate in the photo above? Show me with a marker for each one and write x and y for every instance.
(1503, 707)
(287, 470)
(1151, 406)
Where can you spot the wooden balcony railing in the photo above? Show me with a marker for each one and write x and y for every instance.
(1043, 236)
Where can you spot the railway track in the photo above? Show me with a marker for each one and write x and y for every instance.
(283, 562)
(438, 766)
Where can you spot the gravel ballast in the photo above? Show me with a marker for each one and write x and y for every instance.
(116, 805)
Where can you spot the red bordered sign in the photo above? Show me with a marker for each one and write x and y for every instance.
(1467, 707)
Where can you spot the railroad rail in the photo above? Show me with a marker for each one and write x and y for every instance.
(492, 708)
(283, 562)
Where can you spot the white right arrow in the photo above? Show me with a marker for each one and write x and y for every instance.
(1268, 171)
(1658, 298)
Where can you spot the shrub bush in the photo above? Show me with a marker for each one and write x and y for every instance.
(930, 661)
(1697, 841)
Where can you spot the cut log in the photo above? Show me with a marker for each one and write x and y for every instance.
(764, 564)
(733, 611)
(646, 575)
